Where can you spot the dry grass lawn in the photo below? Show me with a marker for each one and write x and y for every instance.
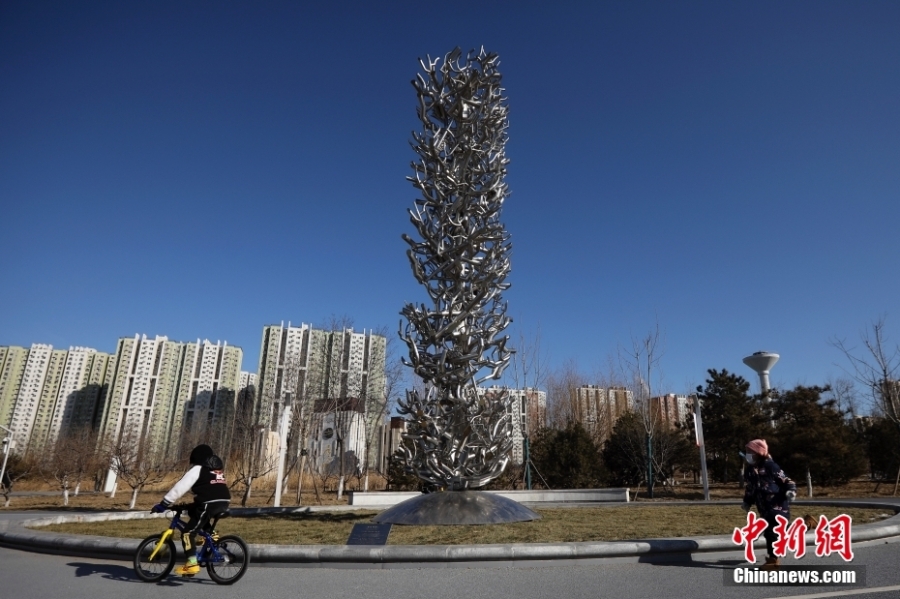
(262, 497)
(611, 523)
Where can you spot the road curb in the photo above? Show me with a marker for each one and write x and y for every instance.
(20, 536)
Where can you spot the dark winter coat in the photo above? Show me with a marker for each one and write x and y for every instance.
(206, 481)
(766, 487)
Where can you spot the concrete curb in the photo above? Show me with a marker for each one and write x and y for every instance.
(18, 536)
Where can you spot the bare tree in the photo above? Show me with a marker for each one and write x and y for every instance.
(249, 459)
(82, 444)
(60, 466)
(843, 392)
(380, 402)
(530, 373)
(137, 465)
(876, 367)
(293, 383)
(640, 367)
(18, 467)
(529, 361)
(562, 404)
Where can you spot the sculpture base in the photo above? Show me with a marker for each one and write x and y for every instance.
(456, 507)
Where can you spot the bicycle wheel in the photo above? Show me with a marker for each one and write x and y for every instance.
(162, 563)
(234, 557)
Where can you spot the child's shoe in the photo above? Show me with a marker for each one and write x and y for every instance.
(188, 569)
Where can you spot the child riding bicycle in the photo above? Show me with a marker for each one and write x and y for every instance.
(206, 479)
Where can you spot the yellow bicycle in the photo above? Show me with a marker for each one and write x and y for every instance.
(226, 558)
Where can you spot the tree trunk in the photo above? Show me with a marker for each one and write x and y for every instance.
(65, 495)
(897, 482)
(340, 490)
(300, 478)
(115, 488)
(316, 489)
(134, 494)
(809, 492)
(77, 488)
(246, 496)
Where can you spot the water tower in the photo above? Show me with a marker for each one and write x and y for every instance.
(762, 362)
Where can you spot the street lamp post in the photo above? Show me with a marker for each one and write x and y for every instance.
(527, 463)
(282, 445)
(698, 433)
(7, 441)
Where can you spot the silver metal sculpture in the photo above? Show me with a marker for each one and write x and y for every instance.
(460, 439)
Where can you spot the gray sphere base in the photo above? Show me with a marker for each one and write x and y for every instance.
(456, 507)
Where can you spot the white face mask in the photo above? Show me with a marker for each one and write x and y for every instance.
(751, 458)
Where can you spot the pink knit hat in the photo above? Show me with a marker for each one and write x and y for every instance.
(759, 447)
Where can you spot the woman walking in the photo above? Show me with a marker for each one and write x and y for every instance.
(770, 489)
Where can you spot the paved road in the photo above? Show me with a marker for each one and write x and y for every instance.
(25, 575)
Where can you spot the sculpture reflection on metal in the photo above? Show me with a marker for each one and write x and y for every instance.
(457, 438)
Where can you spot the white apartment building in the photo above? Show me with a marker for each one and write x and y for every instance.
(142, 383)
(166, 393)
(12, 370)
(207, 394)
(249, 382)
(80, 391)
(320, 371)
(44, 392)
(37, 395)
(529, 414)
(152, 390)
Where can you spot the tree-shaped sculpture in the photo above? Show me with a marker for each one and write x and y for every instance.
(460, 439)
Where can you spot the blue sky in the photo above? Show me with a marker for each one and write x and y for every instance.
(201, 169)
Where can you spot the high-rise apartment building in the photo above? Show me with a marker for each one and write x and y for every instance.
(36, 399)
(529, 414)
(320, 371)
(159, 392)
(670, 410)
(80, 393)
(45, 393)
(247, 392)
(166, 394)
(598, 408)
(207, 394)
(143, 381)
(12, 370)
